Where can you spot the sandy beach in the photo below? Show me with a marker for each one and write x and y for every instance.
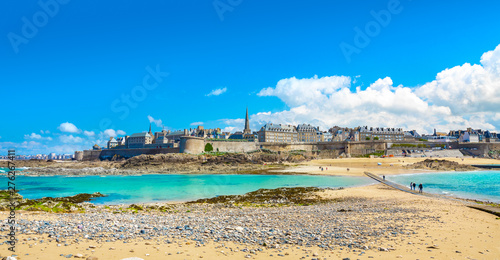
(357, 223)
(357, 166)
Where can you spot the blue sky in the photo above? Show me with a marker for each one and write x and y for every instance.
(417, 65)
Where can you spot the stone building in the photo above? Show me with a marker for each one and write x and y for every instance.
(175, 136)
(381, 133)
(112, 142)
(341, 134)
(324, 136)
(278, 133)
(200, 131)
(138, 140)
(307, 133)
(121, 140)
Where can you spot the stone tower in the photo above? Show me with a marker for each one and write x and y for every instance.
(247, 125)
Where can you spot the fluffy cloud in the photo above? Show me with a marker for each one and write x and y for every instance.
(295, 92)
(468, 88)
(196, 123)
(34, 136)
(229, 129)
(89, 133)
(68, 128)
(330, 101)
(157, 122)
(459, 97)
(112, 133)
(216, 92)
(70, 139)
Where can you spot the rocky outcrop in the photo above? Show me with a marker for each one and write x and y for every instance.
(441, 165)
(170, 163)
(49, 204)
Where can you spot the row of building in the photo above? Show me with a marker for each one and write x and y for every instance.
(302, 133)
(464, 136)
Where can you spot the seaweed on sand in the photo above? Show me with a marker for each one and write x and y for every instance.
(300, 196)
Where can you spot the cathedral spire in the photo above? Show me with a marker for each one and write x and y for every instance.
(247, 124)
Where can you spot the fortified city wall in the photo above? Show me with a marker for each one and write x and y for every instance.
(196, 145)
(91, 155)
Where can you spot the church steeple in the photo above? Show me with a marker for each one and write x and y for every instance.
(151, 133)
(247, 125)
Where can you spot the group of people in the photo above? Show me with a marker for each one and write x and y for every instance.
(413, 186)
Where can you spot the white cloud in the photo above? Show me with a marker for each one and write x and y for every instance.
(45, 132)
(460, 97)
(217, 92)
(196, 123)
(70, 139)
(112, 133)
(34, 136)
(230, 129)
(296, 92)
(157, 122)
(109, 133)
(68, 128)
(89, 133)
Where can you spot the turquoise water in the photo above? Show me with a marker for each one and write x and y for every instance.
(482, 185)
(172, 187)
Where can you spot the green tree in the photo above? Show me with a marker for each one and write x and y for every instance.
(367, 138)
(375, 138)
(209, 147)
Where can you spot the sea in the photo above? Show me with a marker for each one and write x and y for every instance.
(479, 185)
(127, 189)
